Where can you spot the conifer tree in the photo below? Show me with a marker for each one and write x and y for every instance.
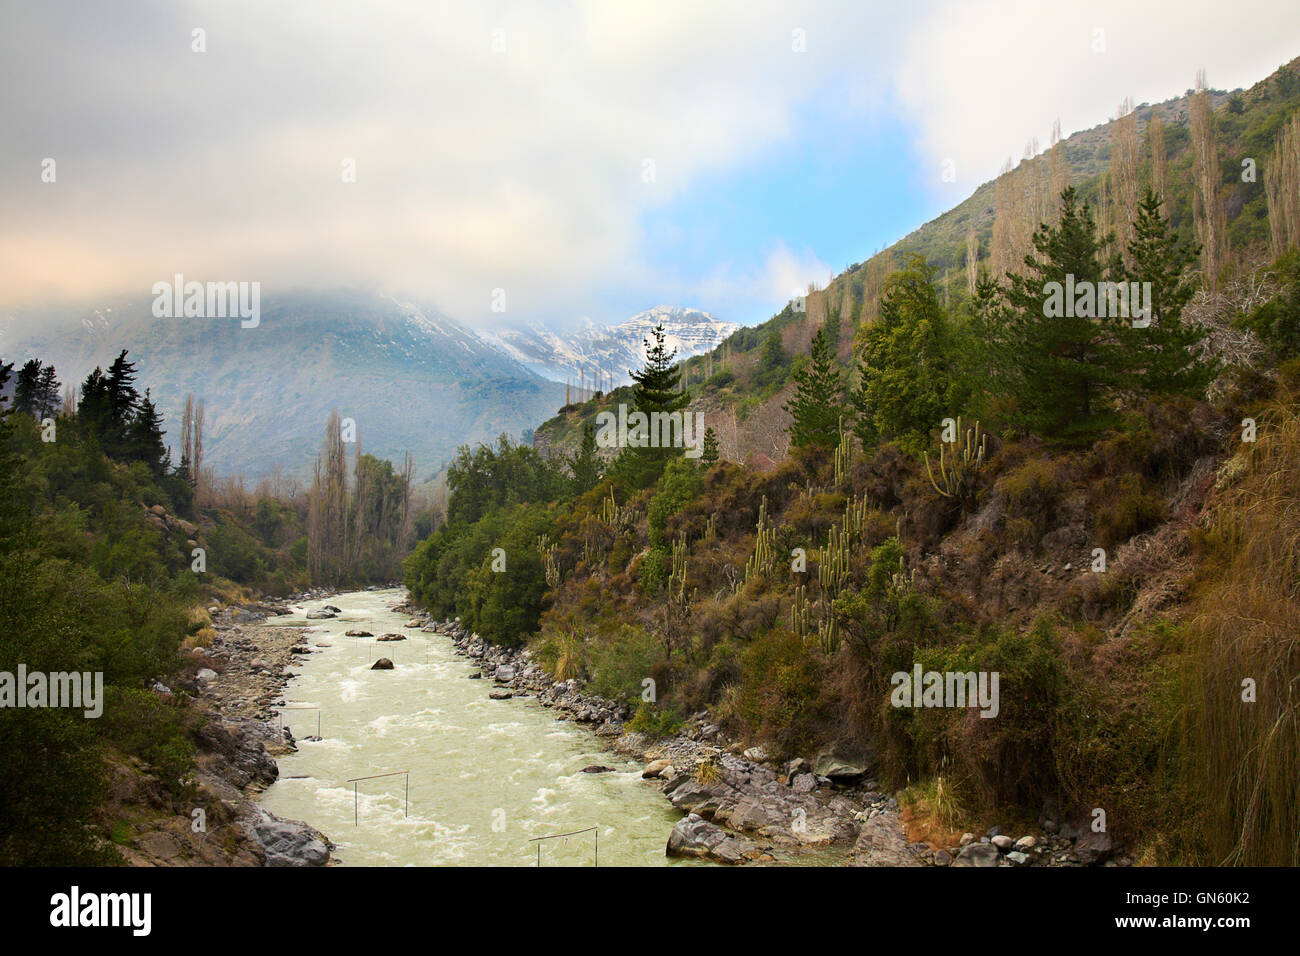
(1062, 370)
(907, 380)
(27, 387)
(145, 436)
(1164, 356)
(818, 403)
(585, 465)
(656, 389)
(711, 452)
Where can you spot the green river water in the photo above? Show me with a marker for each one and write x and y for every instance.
(486, 776)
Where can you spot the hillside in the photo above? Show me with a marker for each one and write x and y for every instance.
(1097, 512)
(744, 403)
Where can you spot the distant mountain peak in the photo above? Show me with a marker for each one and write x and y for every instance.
(593, 352)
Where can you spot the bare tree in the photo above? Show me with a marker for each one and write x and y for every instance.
(1207, 206)
(1124, 172)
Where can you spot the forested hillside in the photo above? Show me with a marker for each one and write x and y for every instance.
(957, 470)
(110, 555)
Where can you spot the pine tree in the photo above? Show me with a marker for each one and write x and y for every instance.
(27, 387)
(1062, 370)
(818, 403)
(1164, 356)
(49, 397)
(656, 389)
(711, 452)
(585, 465)
(907, 381)
(145, 436)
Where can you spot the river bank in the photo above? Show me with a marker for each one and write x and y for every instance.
(235, 685)
(742, 807)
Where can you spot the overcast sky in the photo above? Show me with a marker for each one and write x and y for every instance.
(590, 159)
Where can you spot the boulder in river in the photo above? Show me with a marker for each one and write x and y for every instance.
(597, 768)
(505, 672)
(496, 694)
(383, 664)
(695, 836)
(391, 637)
(358, 634)
(320, 615)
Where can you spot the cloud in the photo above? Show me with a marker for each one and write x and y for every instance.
(782, 274)
(523, 167)
(980, 78)
(495, 147)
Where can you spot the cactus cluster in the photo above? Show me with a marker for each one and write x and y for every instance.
(959, 469)
(618, 519)
(763, 560)
(677, 576)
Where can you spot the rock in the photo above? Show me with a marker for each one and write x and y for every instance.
(695, 836)
(505, 672)
(942, 858)
(498, 694)
(206, 673)
(1002, 842)
(160, 688)
(967, 839)
(1018, 858)
(1093, 847)
(1026, 843)
(287, 842)
(835, 768)
(977, 854)
(597, 768)
(320, 615)
(414, 624)
(332, 608)
(383, 664)
(656, 768)
(881, 842)
(804, 783)
(797, 766)
(391, 637)
(358, 634)
(756, 754)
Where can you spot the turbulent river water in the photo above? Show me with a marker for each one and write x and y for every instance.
(486, 776)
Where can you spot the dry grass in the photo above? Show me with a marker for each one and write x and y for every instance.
(1243, 759)
(933, 813)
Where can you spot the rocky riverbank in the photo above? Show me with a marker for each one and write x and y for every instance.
(739, 806)
(235, 684)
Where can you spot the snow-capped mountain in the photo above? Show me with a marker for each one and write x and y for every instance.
(409, 377)
(601, 354)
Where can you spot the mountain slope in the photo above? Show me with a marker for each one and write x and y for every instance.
(410, 378)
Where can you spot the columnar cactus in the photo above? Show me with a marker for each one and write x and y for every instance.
(959, 469)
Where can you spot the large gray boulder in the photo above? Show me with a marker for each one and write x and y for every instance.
(287, 842)
(977, 854)
(695, 836)
(882, 842)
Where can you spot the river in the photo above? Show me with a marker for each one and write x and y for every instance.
(486, 776)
